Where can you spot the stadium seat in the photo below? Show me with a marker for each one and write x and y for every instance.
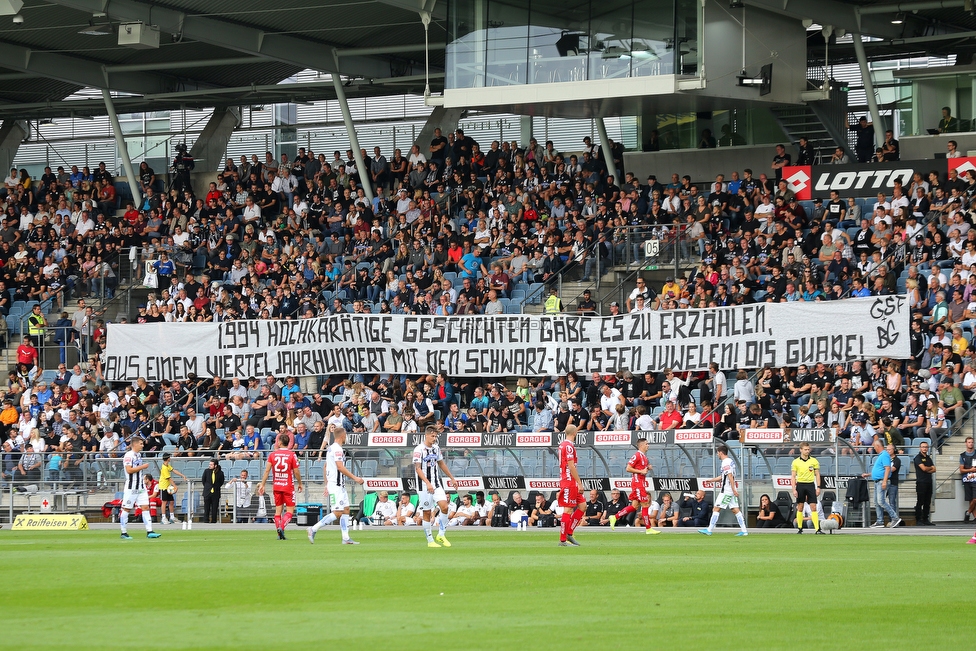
(368, 468)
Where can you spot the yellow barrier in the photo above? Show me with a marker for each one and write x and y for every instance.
(44, 522)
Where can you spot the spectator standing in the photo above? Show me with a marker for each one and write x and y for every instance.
(967, 470)
(864, 135)
(213, 480)
(880, 474)
(924, 472)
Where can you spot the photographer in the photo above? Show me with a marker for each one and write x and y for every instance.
(182, 166)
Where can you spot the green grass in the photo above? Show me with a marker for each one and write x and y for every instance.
(501, 589)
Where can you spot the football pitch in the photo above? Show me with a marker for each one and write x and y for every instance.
(244, 589)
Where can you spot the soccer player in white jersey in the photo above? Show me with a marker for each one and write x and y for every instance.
(728, 494)
(135, 493)
(336, 474)
(428, 463)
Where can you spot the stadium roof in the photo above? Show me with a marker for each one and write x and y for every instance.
(211, 52)
(215, 53)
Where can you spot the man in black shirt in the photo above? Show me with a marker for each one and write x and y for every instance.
(595, 510)
(807, 153)
(836, 209)
(780, 160)
(561, 419)
(701, 510)
(924, 472)
(615, 505)
(586, 306)
(228, 421)
(438, 149)
(890, 148)
(864, 132)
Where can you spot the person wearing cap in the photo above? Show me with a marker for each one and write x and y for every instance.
(614, 308)
(671, 289)
(166, 472)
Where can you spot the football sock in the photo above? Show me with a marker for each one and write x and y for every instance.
(277, 521)
(740, 520)
(799, 518)
(427, 531)
(147, 519)
(713, 521)
(344, 526)
(329, 519)
(285, 519)
(565, 525)
(646, 517)
(624, 512)
(442, 522)
(577, 516)
(123, 519)
(815, 517)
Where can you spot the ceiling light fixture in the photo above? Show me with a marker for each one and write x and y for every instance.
(99, 29)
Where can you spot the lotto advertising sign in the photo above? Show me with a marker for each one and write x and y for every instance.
(963, 166)
(816, 181)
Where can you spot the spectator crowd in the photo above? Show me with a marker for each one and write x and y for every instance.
(454, 228)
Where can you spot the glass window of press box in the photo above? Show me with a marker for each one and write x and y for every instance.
(492, 43)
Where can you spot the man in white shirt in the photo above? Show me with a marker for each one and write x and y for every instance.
(405, 512)
(195, 423)
(899, 204)
(466, 515)
(610, 398)
(385, 512)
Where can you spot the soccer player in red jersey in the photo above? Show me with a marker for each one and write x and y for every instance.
(286, 479)
(639, 467)
(570, 489)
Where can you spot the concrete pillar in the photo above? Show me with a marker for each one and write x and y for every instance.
(12, 133)
(131, 176)
(862, 62)
(211, 145)
(525, 130)
(443, 118)
(357, 153)
(605, 153)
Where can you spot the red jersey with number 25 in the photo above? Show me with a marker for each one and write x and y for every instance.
(567, 453)
(638, 462)
(283, 464)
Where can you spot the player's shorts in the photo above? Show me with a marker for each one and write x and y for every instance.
(969, 491)
(338, 498)
(284, 498)
(638, 492)
(727, 501)
(165, 496)
(133, 497)
(428, 501)
(569, 495)
(806, 493)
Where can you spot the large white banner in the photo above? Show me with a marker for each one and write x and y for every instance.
(748, 336)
